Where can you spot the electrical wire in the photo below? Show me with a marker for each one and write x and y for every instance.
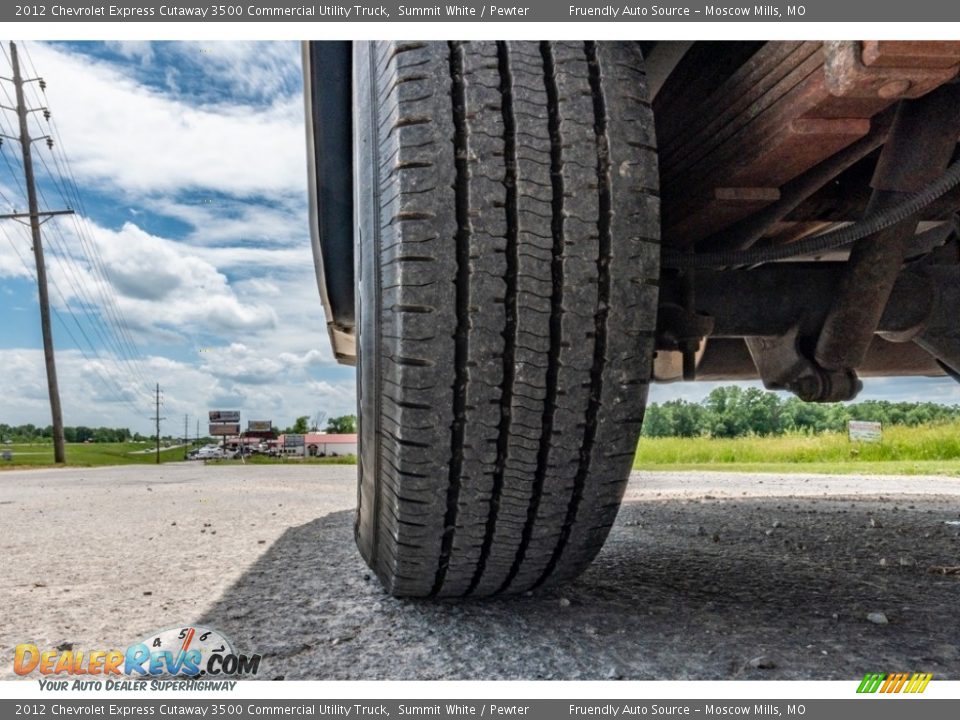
(115, 333)
(97, 365)
(118, 344)
(79, 287)
(72, 196)
(65, 169)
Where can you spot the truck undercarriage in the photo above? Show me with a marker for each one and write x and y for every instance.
(764, 147)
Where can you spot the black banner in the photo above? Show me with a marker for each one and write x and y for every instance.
(473, 11)
(873, 707)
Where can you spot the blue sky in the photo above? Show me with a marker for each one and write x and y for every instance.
(190, 160)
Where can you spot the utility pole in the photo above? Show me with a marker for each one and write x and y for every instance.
(158, 419)
(185, 438)
(59, 449)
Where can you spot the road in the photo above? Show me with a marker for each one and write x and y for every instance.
(709, 576)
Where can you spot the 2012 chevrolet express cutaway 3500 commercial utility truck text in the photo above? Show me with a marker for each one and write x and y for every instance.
(513, 239)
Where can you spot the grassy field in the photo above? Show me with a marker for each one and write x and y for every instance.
(932, 449)
(94, 454)
(86, 455)
(925, 450)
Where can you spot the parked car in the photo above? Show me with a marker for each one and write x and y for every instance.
(210, 453)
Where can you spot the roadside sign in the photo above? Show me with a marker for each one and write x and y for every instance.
(259, 426)
(224, 416)
(224, 429)
(865, 431)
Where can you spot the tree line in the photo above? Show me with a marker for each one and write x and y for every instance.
(32, 433)
(342, 424)
(732, 411)
(728, 411)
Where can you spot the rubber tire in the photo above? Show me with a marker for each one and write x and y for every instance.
(507, 262)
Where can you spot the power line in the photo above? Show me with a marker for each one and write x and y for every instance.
(64, 181)
(96, 362)
(78, 286)
(15, 174)
(81, 219)
(53, 390)
(70, 264)
(80, 290)
(94, 258)
(58, 148)
(71, 195)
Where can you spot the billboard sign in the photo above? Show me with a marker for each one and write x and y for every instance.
(863, 431)
(259, 426)
(224, 416)
(223, 428)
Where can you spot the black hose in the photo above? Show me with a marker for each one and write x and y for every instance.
(831, 240)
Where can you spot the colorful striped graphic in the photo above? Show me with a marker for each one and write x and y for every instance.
(894, 682)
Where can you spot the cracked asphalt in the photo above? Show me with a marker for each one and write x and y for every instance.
(705, 576)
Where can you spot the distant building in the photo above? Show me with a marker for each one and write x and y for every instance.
(292, 445)
(330, 444)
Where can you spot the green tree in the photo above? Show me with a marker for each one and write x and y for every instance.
(343, 424)
(655, 422)
(726, 412)
(731, 411)
(760, 412)
(301, 426)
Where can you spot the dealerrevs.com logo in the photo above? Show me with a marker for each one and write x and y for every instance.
(187, 653)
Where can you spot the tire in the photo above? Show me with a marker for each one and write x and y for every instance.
(507, 262)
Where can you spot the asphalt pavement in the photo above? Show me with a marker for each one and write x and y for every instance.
(705, 576)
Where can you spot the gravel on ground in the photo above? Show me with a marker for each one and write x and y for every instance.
(704, 576)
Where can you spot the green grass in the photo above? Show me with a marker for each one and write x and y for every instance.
(930, 449)
(924, 450)
(27, 455)
(86, 454)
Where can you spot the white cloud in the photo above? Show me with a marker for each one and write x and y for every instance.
(89, 397)
(15, 253)
(259, 69)
(140, 50)
(138, 140)
(215, 221)
(157, 282)
(231, 300)
(251, 366)
(16, 258)
(943, 390)
(239, 257)
(915, 389)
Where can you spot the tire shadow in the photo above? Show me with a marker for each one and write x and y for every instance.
(709, 589)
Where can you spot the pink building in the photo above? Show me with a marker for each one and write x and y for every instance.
(329, 444)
